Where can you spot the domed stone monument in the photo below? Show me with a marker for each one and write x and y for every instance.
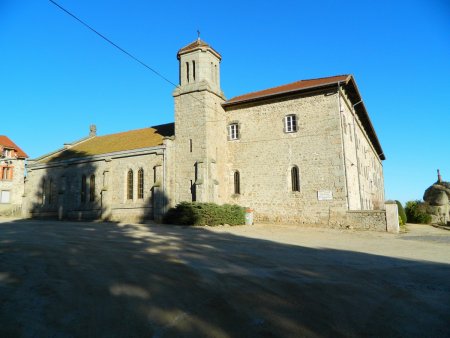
(438, 198)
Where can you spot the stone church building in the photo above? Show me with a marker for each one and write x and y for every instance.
(304, 152)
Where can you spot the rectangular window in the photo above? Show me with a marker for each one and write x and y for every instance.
(233, 131)
(4, 196)
(290, 124)
(6, 173)
(237, 183)
(7, 153)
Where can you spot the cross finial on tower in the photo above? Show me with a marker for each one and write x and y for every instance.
(198, 35)
(439, 176)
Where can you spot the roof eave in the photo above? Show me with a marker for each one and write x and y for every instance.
(361, 110)
(278, 94)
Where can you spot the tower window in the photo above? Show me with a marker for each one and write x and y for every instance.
(290, 123)
(140, 184)
(295, 179)
(92, 188)
(193, 70)
(233, 131)
(187, 72)
(130, 184)
(237, 183)
(190, 145)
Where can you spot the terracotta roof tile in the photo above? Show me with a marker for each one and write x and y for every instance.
(6, 142)
(291, 87)
(129, 140)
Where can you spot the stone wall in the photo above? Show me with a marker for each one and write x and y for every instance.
(363, 166)
(15, 186)
(264, 155)
(364, 220)
(54, 189)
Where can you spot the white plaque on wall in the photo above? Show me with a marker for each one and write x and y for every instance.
(324, 195)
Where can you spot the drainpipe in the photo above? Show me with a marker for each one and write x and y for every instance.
(343, 146)
(356, 153)
(164, 180)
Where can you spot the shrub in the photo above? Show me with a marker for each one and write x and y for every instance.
(195, 213)
(416, 212)
(401, 213)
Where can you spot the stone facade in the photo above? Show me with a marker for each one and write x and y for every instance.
(299, 153)
(55, 190)
(12, 174)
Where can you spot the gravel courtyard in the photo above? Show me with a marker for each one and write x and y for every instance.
(64, 279)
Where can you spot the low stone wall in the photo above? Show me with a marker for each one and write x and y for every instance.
(11, 210)
(374, 220)
(366, 220)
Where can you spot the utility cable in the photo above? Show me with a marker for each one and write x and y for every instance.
(115, 45)
(129, 54)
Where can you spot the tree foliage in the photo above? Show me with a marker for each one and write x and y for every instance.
(416, 212)
(401, 212)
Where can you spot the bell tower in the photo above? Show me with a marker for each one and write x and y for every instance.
(200, 125)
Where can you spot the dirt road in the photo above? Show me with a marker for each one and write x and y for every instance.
(62, 279)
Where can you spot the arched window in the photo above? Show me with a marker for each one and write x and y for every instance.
(50, 191)
(83, 188)
(130, 184)
(140, 184)
(92, 188)
(237, 183)
(295, 179)
(44, 197)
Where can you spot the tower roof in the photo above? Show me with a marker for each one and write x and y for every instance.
(198, 44)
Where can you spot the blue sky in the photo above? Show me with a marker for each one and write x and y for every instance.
(57, 77)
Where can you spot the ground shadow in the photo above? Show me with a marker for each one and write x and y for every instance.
(108, 280)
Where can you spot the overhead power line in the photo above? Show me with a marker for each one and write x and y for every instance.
(130, 55)
(115, 45)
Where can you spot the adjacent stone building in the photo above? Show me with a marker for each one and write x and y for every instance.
(304, 152)
(12, 174)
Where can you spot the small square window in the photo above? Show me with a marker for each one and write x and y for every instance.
(4, 196)
(290, 124)
(233, 131)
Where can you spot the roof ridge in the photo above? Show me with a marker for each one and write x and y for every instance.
(131, 130)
